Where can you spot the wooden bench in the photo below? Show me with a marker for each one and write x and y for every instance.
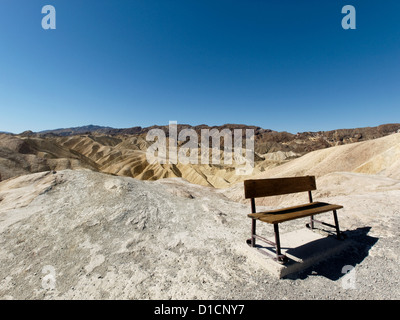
(273, 187)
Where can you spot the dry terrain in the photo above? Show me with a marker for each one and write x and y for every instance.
(86, 234)
(122, 152)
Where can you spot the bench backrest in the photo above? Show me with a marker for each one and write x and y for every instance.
(278, 186)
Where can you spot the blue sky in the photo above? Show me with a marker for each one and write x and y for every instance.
(283, 65)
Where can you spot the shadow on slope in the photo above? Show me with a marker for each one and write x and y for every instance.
(335, 267)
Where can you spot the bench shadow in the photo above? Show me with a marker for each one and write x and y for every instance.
(352, 255)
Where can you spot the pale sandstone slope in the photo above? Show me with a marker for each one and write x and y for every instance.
(380, 153)
(339, 164)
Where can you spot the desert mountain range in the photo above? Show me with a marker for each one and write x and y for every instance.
(123, 151)
(109, 236)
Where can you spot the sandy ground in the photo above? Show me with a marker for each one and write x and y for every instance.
(86, 235)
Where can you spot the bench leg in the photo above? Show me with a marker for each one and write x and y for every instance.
(279, 256)
(277, 241)
(253, 232)
(312, 222)
(337, 224)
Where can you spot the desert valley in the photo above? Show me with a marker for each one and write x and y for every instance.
(83, 215)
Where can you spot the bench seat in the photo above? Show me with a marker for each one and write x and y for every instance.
(295, 212)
